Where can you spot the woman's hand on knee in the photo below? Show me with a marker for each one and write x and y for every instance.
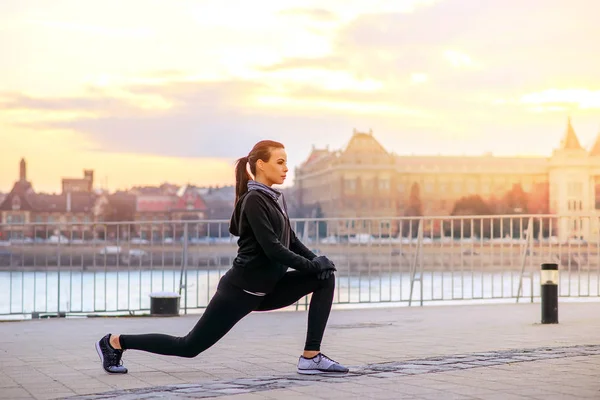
(323, 275)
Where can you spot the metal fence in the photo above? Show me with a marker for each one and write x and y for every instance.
(113, 267)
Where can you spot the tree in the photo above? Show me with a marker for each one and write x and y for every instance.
(515, 201)
(119, 208)
(322, 225)
(539, 199)
(472, 205)
(414, 208)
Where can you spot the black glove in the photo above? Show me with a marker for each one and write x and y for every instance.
(325, 274)
(326, 267)
(323, 264)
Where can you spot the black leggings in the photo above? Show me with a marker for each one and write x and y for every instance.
(230, 304)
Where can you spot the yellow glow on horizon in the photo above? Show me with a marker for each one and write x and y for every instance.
(24, 116)
(584, 98)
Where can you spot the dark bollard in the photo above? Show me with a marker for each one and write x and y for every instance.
(164, 304)
(549, 293)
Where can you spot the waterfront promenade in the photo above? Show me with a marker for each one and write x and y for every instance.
(493, 351)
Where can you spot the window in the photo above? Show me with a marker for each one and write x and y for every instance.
(597, 192)
(485, 188)
(384, 184)
(15, 219)
(350, 184)
(471, 186)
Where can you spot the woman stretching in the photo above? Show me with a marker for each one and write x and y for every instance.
(258, 279)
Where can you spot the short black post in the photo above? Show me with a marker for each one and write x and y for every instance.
(164, 304)
(549, 293)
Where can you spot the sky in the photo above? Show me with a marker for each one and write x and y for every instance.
(152, 91)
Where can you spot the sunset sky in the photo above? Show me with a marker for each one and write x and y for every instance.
(148, 91)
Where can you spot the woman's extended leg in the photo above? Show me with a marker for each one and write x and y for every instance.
(229, 305)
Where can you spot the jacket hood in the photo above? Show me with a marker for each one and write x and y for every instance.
(236, 217)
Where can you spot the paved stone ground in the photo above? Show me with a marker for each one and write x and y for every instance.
(456, 352)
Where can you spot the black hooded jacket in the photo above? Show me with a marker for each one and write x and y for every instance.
(263, 256)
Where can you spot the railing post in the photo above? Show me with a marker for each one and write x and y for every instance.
(417, 258)
(184, 261)
(526, 249)
(58, 262)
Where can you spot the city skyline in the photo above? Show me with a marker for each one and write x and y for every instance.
(103, 184)
(146, 94)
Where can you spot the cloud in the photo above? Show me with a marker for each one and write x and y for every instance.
(514, 46)
(583, 98)
(19, 101)
(453, 69)
(95, 30)
(318, 14)
(458, 59)
(328, 62)
(208, 119)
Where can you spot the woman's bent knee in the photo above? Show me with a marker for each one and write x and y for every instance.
(189, 349)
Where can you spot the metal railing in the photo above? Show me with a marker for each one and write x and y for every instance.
(98, 268)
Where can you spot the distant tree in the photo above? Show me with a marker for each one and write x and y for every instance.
(538, 200)
(322, 225)
(472, 205)
(414, 208)
(119, 208)
(515, 201)
(539, 203)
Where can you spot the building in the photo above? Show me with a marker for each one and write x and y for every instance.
(79, 185)
(219, 206)
(27, 214)
(365, 180)
(157, 206)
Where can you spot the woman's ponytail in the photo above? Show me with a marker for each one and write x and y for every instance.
(241, 178)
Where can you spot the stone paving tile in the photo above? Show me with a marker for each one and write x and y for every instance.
(14, 393)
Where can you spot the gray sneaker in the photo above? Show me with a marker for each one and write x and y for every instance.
(111, 358)
(320, 364)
